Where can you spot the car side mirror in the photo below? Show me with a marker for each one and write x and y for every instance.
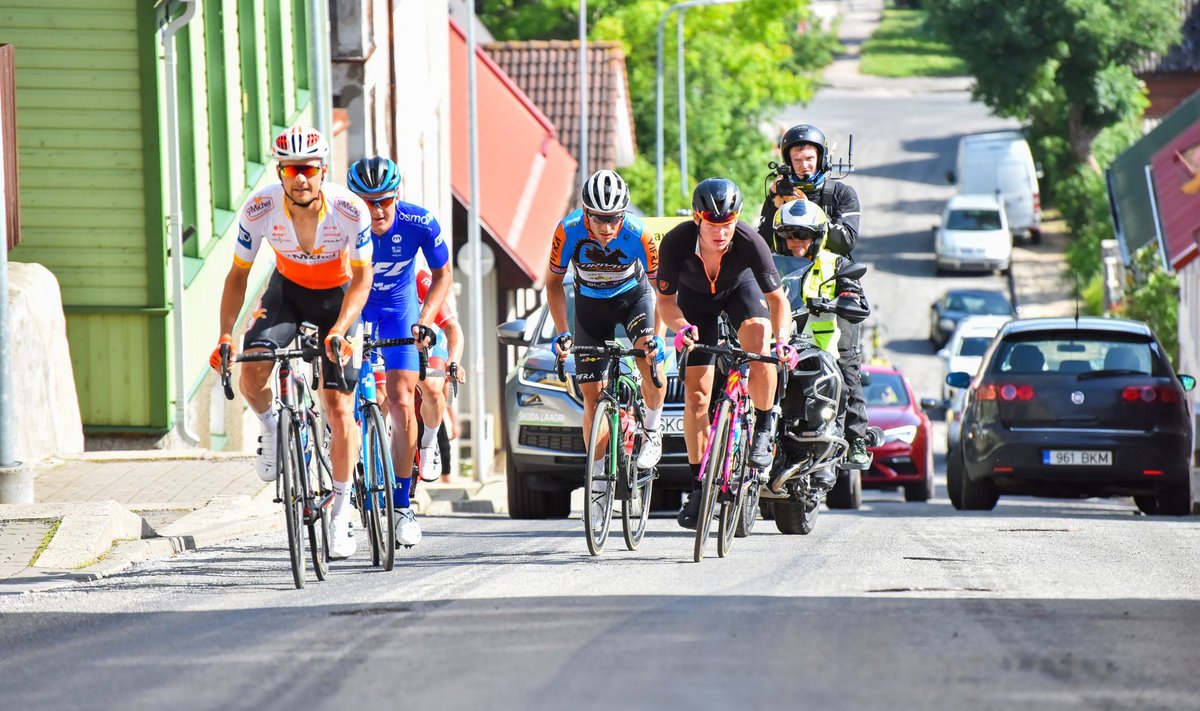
(930, 403)
(958, 379)
(943, 354)
(512, 333)
(1188, 382)
(864, 377)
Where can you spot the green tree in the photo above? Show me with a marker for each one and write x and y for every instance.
(1062, 66)
(1152, 295)
(743, 62)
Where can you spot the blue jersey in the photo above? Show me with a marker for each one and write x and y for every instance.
(629, 259)
(394, 289)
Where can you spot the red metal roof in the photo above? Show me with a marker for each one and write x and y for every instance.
(1177, 188)
(526, 177)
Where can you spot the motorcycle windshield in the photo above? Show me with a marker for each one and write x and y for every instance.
(792, 270)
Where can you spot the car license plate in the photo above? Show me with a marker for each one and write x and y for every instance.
(672, 425)
(1077, 458)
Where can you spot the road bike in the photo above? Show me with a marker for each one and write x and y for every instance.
(619, 411)
(725, 475)
(304, 477)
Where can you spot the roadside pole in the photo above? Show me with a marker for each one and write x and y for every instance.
(16, 479)
(482, 460)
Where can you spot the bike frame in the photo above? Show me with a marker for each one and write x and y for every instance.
(735, 391)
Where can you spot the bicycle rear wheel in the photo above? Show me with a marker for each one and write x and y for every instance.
(382, 482)
(314, 490)
(713, 468)
(731, 511)
(287, 440)
(598, 492)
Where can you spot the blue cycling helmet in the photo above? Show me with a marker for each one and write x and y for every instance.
(371, 176)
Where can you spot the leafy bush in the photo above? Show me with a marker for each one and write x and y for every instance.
(1152, 295)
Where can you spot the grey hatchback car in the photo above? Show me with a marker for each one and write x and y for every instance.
(545, 450)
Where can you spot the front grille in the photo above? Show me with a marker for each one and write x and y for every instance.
(674, 389)
(562, 439)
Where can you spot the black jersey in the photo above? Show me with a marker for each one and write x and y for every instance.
(679, 263)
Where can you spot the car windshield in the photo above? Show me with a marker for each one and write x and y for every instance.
(973, 220)
(973, 345)
(979, 304)
(1076, 353)
(885, 389)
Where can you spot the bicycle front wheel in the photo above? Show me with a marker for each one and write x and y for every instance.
(287, 445)
(378, 462)
(713, 469)
(635, 511)
(731, 511)
(600, 487)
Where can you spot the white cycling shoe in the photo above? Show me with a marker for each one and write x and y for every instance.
(430, 467)
(408, 531)
(264, 463)
(651, 449)
(342, 543)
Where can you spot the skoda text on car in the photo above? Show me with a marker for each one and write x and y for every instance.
(905, 459)
(1074, 408)
(974, 235)
(957, 304)
(545, 450)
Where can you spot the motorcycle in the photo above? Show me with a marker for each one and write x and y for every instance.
(810, 443)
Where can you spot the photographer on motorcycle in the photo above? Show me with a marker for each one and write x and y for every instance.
(801, 229)
(804, 175)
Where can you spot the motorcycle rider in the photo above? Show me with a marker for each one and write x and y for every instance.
(801, 229)
(805, 150)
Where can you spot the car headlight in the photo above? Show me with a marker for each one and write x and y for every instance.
(946, 324)
(904, 434)
(539, 378)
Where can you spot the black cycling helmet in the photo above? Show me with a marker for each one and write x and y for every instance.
(371, 176)
(807, 133)
(717, 200)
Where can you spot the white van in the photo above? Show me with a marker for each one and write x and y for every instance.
(1002, 162)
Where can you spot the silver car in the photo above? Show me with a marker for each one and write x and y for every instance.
(545, 452)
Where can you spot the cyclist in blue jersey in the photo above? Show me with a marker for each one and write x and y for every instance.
(398, 231)
(614, 260)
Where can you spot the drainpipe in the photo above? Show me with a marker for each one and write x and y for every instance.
(175, 218)
(320, 64)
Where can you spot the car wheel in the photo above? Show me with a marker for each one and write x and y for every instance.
(1147, 504)
(954, 477)
(922, 491)
(1035, 236)
(1175, 499)
(525, 502)
(847, 492)
(978, 495)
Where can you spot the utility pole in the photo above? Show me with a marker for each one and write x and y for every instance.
(16, 479)
(482, 460)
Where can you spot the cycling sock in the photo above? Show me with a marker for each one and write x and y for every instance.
(429, 437)
(650, 421)
(341, 495)
(269, 421)
(400, 495)
(761, 418)
(695, 475)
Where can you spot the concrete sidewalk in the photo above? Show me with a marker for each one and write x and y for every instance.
(104, 511)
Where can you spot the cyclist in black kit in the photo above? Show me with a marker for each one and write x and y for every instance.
(711, 265)
(805, 149)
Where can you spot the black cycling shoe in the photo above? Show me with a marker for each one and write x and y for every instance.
(689, 513)
(761, 453)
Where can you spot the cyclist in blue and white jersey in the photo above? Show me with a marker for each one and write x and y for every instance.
(398, 231)
(615, 259)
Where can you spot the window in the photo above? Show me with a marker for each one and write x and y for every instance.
(973, 220)
(1077, 353)
(974, 345)
(886, 389)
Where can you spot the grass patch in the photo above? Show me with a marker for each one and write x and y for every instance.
(46, 541)
(903, 47)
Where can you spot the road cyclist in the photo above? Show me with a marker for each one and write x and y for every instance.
(614, 260)
(320, 235)
(714, 265)
(398, 231)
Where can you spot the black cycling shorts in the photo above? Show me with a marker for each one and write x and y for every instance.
(744, 300)
(276, 318)
(596, 322)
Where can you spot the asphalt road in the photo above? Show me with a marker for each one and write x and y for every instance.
(1038, 604)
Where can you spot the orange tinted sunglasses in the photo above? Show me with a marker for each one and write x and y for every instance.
(723, 218)
(379, 202)
(291, 171)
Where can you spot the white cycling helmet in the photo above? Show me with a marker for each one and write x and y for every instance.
(605, 193)
(300, 143)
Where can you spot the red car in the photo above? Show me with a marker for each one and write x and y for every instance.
(905, 459)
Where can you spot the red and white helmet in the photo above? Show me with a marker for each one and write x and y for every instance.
(300, 143)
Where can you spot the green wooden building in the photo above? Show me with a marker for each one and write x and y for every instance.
(92, 144)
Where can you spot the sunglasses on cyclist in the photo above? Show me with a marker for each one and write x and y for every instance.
(291, 171)
(717, 218)
(383, 202)
(606, 219)
(800, 233)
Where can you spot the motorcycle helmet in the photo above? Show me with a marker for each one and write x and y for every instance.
(716, 200)
(807, 133)
(803, 219)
